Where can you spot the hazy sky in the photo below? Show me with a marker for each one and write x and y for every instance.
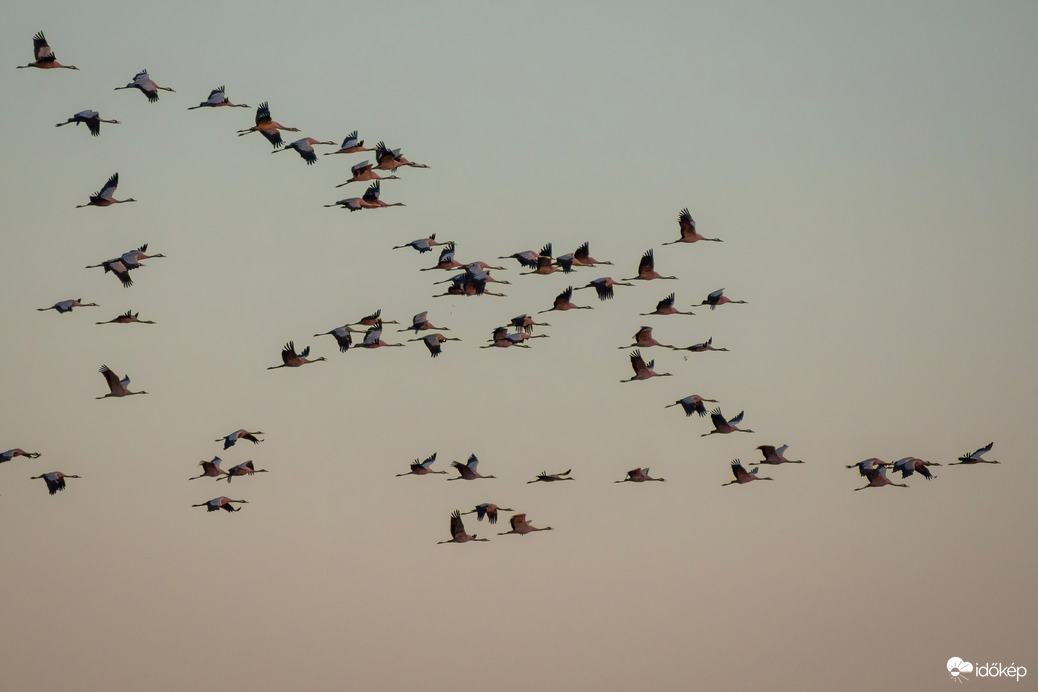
(872, 170)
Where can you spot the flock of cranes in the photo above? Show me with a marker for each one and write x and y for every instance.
(471, 280)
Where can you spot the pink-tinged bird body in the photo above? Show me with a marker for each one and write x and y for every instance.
(544, 263)
(545, 477)
(223, 503)
(774, 456)
(350, 145)
(526, 258)
(373, 319)
(564, 301)
(640, 475)
(305, 147)
(725, 426)
(67, 305)
(525, 323)
(230, 440)
(210, 469)
(420, 322)
(127, 317)
(44, 56)
(421, 468)
(687, 228)
(17, 452)
(370, 200)
(116, 387)
(106, 195)
(246, 468)
(55, 480)
(643, 339)
(877, 478)
(604, 287)
(267, 127)
(146, 85)
(693, 404)
(666, 307)
(92, 119)
(502, 339)
(218, 99)
(488, 510)
(742, 476)
(976, 457)
(458, 534)
(707, 345)
(122, 266)
(363, 172)
(867, 465)
(910, 465)
(718, 298)
(647, 269)
(423, 245)
(291, 359)
(391, 159)
(643, 370)
(467, 471)
(373, 338)
(434, 342)
(342, 336)
(582, 257)
(521, 526)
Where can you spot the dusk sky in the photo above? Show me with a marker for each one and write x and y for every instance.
(871, 169)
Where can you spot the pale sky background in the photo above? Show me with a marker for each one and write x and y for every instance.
(872, 170)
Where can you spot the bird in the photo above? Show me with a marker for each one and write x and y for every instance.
(446, 260)
(373, 319)
(976, 457)
(525, 323)
(390, 159)
(342, 336)
(718, 298)
(545, 477)
(370, 200)
(116, 386)
(699, 348)
(564, 301)
(488, 510)
(55, 480)
(267, 127)
(581, 258)
(221, 502)
(420, 322)
(467, 471)
(643, 339)
(666, 307)
(290, 359)
(867, 465)
(92, 119)
(526, 258)
(373, 338)
(640, 475)
(67, 305)
(688, 230)
(423, 245)
(604, 287)
(910, 465)
(725, 426)
(647, 269)
(741, 476)
(434, 342)
(105, 197)
(363, 172)
(543, 264)
(458, 534)
(350, 145)
(122, 266)
(142, 81)
(45, 58)
(775, 456)
(421, 468)
(210, 468)
(521, 526)
(305, 147)
(877, 478)
(473, 282)
(12, 453)
(502, 339)
(643, 370)
(246, 468)
(126, 318)
(229, 440)
(693, 403)
(216, 99)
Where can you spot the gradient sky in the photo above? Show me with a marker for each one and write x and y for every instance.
(872, 170)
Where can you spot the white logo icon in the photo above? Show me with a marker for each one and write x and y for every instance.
(956, 668)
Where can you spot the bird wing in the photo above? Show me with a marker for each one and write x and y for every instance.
(647, 263)
(737, 419)
(637, 362)
(582, 252)
(667, 302)
(362, 167)
(288, 353)
(372, 193)
(109, 188)
(110, 377)
(40, 49)
(472, 462)
(263, 114)
(350, 141)
(686, 224)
